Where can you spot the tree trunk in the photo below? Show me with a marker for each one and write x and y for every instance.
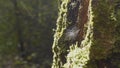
(19, 29)
(87, 34)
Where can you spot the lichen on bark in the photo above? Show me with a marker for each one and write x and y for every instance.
(58, 46)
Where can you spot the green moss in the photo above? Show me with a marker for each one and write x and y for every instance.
(106, 33)
(115, 56)
(104, 25)
(58, 46)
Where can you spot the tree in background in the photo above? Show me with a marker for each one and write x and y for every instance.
(26, 33)
(87, 34)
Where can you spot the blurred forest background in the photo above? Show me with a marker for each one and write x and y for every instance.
(26, 33)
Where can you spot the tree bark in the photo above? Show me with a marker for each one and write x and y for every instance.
(97, 44)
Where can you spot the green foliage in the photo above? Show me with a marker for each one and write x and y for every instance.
(7, 37)
(36, 20)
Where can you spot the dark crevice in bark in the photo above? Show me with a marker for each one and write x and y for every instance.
(73, 8)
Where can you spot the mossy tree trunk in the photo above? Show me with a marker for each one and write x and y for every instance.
(98, 42)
